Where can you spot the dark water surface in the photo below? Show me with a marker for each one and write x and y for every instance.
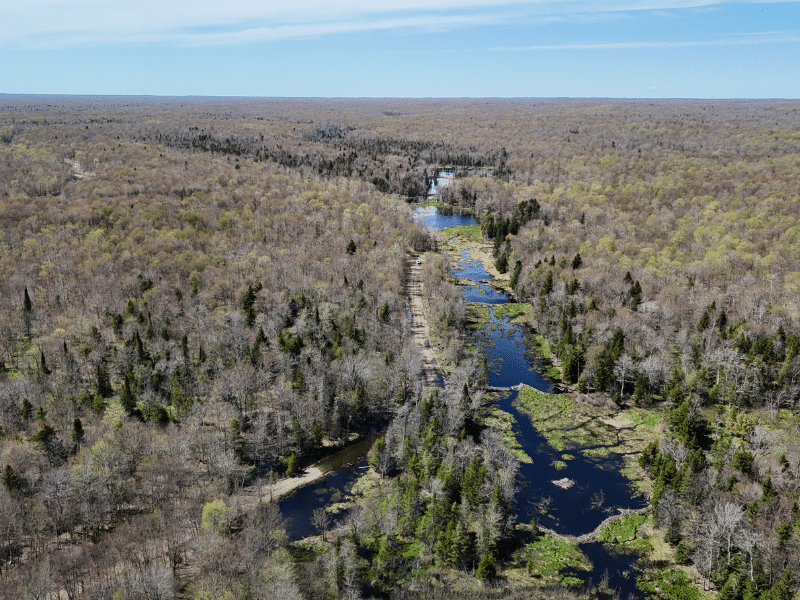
(344, 468)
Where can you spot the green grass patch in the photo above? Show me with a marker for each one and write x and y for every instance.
(549, 555)
(574, 427)
(647, 419)
(622, 530)
(502, 423)
(542, 347)
(553, 372)
(470, 233)
(478, 315)
(512, 310)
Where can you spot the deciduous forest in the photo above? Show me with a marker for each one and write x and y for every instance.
(201, 298)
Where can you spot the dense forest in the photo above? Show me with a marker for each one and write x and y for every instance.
(202, 296)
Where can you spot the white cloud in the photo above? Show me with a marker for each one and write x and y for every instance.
(59, 23)
(765, 37)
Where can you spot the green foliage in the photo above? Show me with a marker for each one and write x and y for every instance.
(26, 411)
(215, 518)
(10, 479)
(515, 274)
(103, 380)
(501, 263)
(547, 286)
(622, 530)
(548, 557)
(292, 464)
(768, 490)
(673, 585)
(743, 460)
(472, 481)
(486, 568)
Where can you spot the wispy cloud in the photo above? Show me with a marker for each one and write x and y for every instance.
(63, 23)
(766, 37)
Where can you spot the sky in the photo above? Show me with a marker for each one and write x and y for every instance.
(402, 48)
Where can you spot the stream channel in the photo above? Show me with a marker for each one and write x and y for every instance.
(511, 361)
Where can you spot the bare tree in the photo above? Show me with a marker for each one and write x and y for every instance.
(321, 520)
(728, 517)
(749, 540)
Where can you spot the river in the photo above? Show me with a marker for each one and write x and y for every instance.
(512, 361)
(571, 511)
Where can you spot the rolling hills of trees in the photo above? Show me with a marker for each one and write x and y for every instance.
(199, 295)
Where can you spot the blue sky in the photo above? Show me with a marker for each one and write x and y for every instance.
(403, 48)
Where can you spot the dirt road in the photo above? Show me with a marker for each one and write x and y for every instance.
(431, 373)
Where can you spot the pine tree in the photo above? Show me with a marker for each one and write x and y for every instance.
(248, 302)
(486, 568)
(103, 380)
(10, 479)
(126, 397)
(502, 263)
(77, 433)
(577, 261)
(26, 411)
(515, 274)
(782, 590)
(351, 247)
(27, 305)
(768, 490)
(547, 286)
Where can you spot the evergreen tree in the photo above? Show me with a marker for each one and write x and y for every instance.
(126, 396)
(782, 590)
(316, 433)
(768, 490)
(515, 274)
(103, 380)
(26, 411)
(351, 247)
(27, 305)
(472, 481)
(547, 286)
(502, 263)
(248, 302)
(45, 369)
(486, 568)
(577, 261)
(77, 433)
(10, 479)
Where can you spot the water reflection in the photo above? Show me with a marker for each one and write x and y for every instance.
(430, 215)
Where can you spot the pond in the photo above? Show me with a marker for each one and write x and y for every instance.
(435, 220)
